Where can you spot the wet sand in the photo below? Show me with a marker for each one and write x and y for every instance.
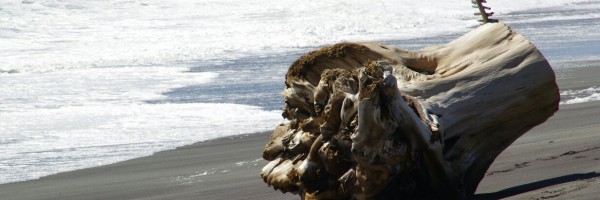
(226, 168)
(558, 159)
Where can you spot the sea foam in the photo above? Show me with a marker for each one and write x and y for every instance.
(87, 83)
(46, 141)
(44, 35)
(580, 96)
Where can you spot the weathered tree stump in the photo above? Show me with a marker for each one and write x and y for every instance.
(369, 121)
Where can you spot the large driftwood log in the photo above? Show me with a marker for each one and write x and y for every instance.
(369, 121)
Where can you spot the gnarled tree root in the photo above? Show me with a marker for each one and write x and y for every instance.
(369, 121)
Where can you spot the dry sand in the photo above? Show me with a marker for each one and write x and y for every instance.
(558, 159)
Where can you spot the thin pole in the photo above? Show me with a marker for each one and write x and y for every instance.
(484, 15)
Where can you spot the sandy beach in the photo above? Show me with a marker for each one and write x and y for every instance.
(558, 159)
(226, 168)
(155, 99)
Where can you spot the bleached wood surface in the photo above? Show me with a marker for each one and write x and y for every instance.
(374, 121)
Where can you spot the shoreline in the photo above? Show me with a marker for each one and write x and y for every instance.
(224, 168)
(559, 158)
(543, 163)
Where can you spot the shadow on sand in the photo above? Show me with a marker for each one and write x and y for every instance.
(534, 186)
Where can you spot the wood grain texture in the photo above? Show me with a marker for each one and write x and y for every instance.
(373, 121)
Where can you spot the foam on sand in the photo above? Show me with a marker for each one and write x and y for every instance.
(580, 96)
(46, 141)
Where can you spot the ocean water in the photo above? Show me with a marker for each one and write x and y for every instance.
(88, 82)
